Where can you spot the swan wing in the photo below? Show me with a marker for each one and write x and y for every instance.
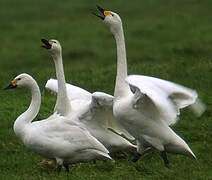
(65, 134)
(73, 92)
(153, 106)
(96, 107)
(102, 112)
(159, 99)
(179, 95)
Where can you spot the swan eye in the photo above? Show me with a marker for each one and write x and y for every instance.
(19, 79)
(54, 42)
(112, 14)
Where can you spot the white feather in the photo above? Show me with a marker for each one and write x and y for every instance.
(73, 92)
(168, 97)
(146, 106)
(56, 137)
(94, 110)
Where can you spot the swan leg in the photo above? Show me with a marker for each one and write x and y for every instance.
(165, 159)
(59, 168)
(66, 166)
(142, 148)
(94, 161)
(139, 155)
(136, 157)
(60, 163)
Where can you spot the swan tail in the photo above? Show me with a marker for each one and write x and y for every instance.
(105, 155)
(188, 152)
(180, 147)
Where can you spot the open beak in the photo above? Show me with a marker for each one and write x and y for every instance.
(46, 43)
(101, 10)
(12, 85)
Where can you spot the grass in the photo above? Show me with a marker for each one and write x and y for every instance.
(165, 38)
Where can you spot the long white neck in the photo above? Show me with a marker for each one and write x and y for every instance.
(121, 87)
(26, 118)
(63, 105)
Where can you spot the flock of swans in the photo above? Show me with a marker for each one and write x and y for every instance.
(79, 130)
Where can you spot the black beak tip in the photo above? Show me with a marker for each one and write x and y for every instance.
(46, 44)
(43, 39)
(100, 9)
(10, 86)
(102, 12)
(98, 15)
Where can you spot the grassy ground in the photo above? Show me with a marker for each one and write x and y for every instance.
(165, 38)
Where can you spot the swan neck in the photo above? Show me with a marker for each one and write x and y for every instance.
(62, 103)
(26, 118)
(121, 87)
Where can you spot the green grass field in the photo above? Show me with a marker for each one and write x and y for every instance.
(168, 39)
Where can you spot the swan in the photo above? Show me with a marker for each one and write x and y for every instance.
(147, 106)
(94, 110)
(57, 137)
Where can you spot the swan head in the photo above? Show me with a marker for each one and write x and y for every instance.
(22, 81)
(110, 18)
(53, 46)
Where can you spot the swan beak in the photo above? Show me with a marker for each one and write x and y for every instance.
(47, 44)
(12, 85)
(102, 16)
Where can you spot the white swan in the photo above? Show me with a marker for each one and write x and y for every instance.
(94, 110)
(56, 137)
(146, 106)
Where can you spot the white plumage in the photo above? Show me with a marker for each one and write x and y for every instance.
(146, 106)
(167, 96)
(73, 92)
(94, 110)
(57, 137)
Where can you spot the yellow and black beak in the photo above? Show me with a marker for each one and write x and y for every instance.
(103, 13)
(12, 85)
(47, 44)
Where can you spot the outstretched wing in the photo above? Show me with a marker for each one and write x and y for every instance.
(73, 92)
(160, 98)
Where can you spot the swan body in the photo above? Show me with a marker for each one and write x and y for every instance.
(147, 106)
(57, 137)
(94, 110)
(147, 116)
